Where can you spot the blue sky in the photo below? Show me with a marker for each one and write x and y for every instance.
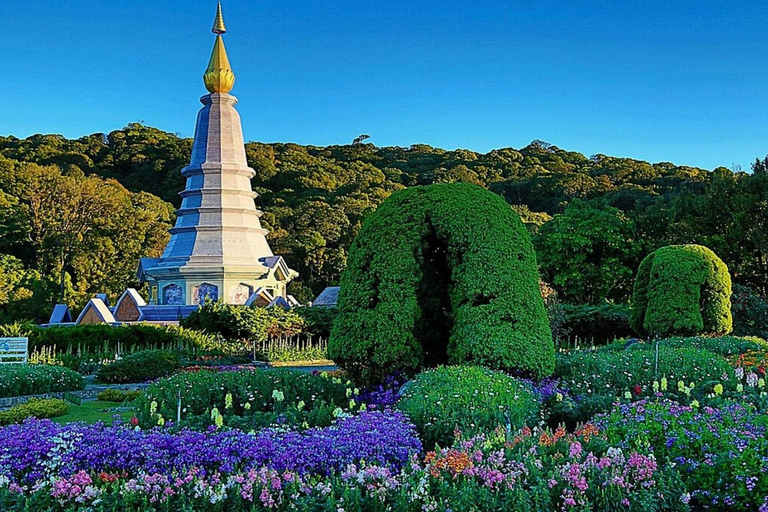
(679, 81)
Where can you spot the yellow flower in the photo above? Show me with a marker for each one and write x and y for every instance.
(228, 401)
(160, 420)
(351, 404)
(695, 404)
(680, 385)
(761, 383)
(248, 406)
(655, 386)
(219, 421)
(739, 388)
(559, 397)
(663, 383)
(628, 395)
(153, 408)
(300, 405)
(215, 413)
(718, 389)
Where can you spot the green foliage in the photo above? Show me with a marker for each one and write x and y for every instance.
(682, 289)
(258, 399)
(588, 252)
(441, 274)
(20, 380)
(468, 398)
(318, 321)
(750, 313)
(315, 200)
(602, 323)
(598, 378)
(234, 322)
(118, 395)
(722, 345)
(104, 338)
(140, 367)
(34, 408)
(283, 350)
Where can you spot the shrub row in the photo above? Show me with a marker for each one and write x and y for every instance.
(140, 367)
(105, 338)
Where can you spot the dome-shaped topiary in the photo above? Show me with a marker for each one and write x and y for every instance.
(441, 274)
(682, 289)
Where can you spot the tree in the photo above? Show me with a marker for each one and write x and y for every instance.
(587, 252)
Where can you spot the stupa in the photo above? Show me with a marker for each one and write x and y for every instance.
(218, 249)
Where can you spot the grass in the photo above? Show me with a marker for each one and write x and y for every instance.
(93, 411)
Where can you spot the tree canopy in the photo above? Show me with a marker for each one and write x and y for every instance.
(315, 200)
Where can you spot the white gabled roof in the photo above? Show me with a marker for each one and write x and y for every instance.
(133, 295)
(101, 309)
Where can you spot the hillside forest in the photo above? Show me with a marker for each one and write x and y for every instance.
(76, 215)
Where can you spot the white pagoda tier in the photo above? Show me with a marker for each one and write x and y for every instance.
(218, 249)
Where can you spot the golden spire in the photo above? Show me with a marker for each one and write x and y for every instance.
(218, 24)
(219, 76)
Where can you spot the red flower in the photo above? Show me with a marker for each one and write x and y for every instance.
(761, 370)
(134, 421)
(637, 390)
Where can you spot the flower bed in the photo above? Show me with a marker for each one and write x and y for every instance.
(538, 470)
(719, 453)
(38, 450)
(19, 380)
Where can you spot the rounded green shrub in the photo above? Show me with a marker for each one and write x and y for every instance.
(20, 380)
(35, 408)
(682, 290)
(468, 398)
(140, 367)
(442, 274)
(118, 395)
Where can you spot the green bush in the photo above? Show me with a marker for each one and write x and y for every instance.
(683, 290)
(722, 345)
(20, 380)
(259, 398)
(118, 395)
(601, 324)
(100, 338)
(318, 321)
(140, 367)
(596, 379)
(468, 398)
(234, 322)
(441, 274)
(750, 313)
(34, 408)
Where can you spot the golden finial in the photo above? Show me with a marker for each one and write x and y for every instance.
(219, 77)
(218, 25)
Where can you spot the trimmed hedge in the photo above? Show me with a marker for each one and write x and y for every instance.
(602, 323)
(21, 380)
(235, 322)
(682, 290)
(140, 367)
(441, 274)
(101, 338)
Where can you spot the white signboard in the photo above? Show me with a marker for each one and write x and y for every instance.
(13, 350)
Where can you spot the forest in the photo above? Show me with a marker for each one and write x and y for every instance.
(77, 214)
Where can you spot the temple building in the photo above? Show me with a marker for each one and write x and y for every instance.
(218, 249)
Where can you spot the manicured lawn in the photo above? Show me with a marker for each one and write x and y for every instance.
(93, 411)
